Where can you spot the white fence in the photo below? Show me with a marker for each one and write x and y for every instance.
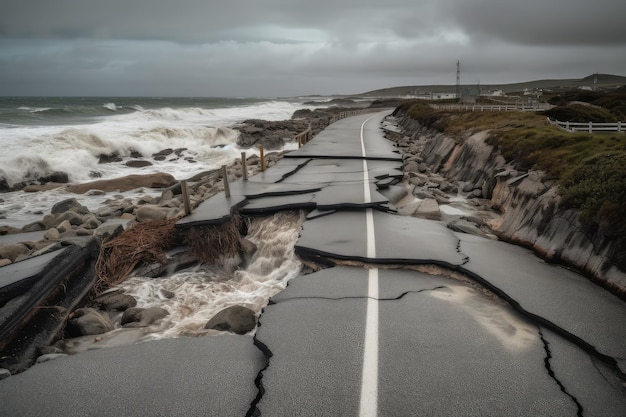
(588, 126)
(491, 107)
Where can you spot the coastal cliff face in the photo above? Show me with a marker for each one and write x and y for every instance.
(531, 210)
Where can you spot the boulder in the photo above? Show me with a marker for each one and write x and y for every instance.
(138, 163)
(236, 319)
(142, 317)
(12, 252)
(127, 183)
(34, 227)
(89, 321)
(106, 231)
(64, 226)
(149, 212)
(65, 205)
(73, 217)
(58, 177)
(115, 301)
(52, 234)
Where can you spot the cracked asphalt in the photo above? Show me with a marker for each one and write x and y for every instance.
(444, 324)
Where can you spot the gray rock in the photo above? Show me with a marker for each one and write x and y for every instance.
(106, 231)
(464, 226)
(148, 212)
(4, 373)
(34, 227)
(50, 357)
(64, 226)
(411, 166)
(167, 294)
(90, 221)
(131, 315)
(236, 319)
(140, 317)
(12, 252)
(115, 301)
(65, 205)
(138, 163)
(73, 217)
(52, 234)
(95, 192)
(90, 321)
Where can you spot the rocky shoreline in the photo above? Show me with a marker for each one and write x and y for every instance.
(520, 207)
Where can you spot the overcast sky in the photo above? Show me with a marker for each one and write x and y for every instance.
(269, 48)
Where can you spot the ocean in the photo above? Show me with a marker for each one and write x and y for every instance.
(39, 136)
(43, 135)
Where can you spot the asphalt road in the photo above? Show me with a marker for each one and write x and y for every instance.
(408, 329)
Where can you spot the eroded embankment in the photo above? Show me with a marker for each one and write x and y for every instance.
(530, 207)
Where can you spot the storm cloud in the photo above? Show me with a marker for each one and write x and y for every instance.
(286, 47)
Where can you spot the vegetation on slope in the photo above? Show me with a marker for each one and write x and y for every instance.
(590, 168)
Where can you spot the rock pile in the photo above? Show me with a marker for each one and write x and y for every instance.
(70, 222)
(427, 190)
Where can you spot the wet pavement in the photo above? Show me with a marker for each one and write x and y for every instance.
(414, 319)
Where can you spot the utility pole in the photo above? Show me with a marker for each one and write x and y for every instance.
(458, 80)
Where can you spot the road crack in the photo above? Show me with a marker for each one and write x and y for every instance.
(254, 411)
(548, 365)
(359, 297)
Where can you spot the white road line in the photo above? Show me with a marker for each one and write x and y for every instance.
(369, 381)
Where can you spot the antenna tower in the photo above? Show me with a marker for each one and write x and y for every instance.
(458, 80)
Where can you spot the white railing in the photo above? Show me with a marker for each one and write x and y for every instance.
(587, 126)
(491, 107)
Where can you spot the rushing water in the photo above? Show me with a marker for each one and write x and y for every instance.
(202, 292)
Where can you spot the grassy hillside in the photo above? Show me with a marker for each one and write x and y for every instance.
(590, 168)
(603, 80)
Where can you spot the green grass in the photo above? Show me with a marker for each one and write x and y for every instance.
(590, 168)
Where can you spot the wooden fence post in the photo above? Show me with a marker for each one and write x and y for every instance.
(225, 179)
(185, 194)
(244, 166)
(590, 127)
(262, 154)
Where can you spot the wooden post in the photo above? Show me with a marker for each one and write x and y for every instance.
(590, 127)
(619, 126)
(244, 166)
(299, 142)
(225, 179)
(262, 154)
(185, 193)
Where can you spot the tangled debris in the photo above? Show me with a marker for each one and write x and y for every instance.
(141, 243)
(210, 243)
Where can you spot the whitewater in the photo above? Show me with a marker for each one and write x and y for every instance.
(42, 136)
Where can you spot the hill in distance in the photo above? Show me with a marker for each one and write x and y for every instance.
(601, 80)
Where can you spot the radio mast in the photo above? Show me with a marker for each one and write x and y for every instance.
(458, 80)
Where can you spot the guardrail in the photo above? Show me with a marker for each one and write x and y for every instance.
(587, 126)
(491, 107)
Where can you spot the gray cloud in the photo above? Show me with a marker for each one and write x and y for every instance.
(286, 47)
